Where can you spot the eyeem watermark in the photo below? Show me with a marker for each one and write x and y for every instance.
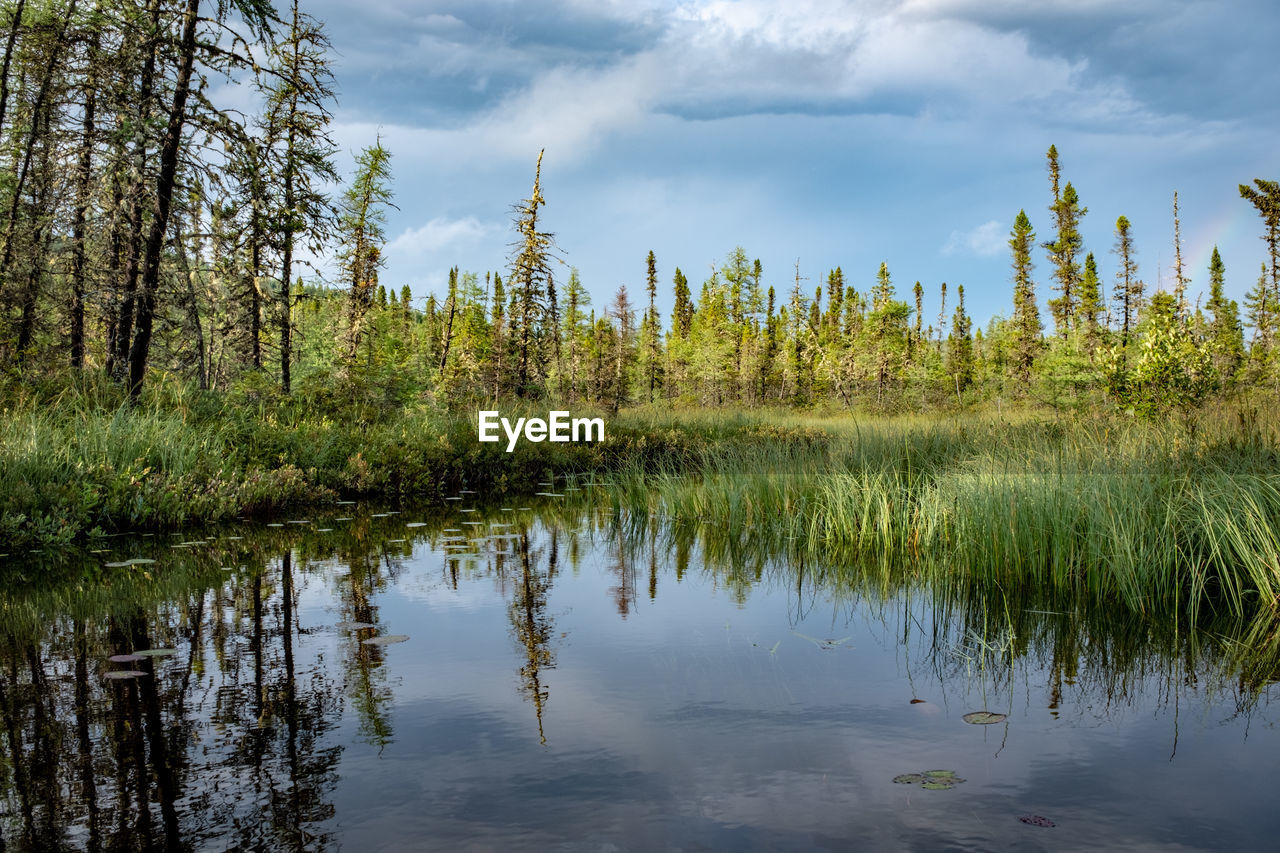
(558, 427)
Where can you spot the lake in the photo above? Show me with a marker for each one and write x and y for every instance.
(550, 674)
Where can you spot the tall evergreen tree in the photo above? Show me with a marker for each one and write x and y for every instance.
(1266, 198)
(532, 283)
(1127, 295)
(960, 363)
(1026, 327)
(361, 225)
(1225, 335)
(1091, 305)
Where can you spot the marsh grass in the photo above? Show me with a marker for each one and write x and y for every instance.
(1158, 518)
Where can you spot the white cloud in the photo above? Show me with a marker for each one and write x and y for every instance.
(440, 233)
(985, 240)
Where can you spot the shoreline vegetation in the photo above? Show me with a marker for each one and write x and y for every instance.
(164, 362)
(1177, 517)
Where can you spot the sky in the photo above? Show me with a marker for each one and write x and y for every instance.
(824, 132)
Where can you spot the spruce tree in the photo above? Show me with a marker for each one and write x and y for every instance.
(1266, 198)
(1026, 326)
(1091, 305)
(1226, 337)
(1127, 295)
(959, 363)
(361, 225)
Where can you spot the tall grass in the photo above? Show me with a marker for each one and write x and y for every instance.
(1159, 518)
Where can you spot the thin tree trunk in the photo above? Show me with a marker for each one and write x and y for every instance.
(164, 198)
(83, 175)
(8, 56)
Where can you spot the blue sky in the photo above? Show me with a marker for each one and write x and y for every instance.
(828, 132)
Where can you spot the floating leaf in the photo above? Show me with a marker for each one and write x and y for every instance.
(125, 658)
(155, 653)
(983, 718)
(917, 701)
(123, 674)
(1036, 820)
(932, 780)
(354, 626)
(385, 640)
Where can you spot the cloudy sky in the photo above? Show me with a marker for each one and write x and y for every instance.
(832, 132)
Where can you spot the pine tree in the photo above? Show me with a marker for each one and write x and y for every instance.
(1266, 198)
(959, 363)
(651, 329)
(361, 223)
(682, 314)
(1026, 327)
(1225, 335)
(297, 118)
(534, 316)
(1064, 251)
(1127, 295)
(1091, 305)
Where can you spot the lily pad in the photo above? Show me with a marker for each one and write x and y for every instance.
(126, 658)
(983, 718)
(123, 674)
(385, 640)
(155, 653)
(1036, 820)
(930, 780)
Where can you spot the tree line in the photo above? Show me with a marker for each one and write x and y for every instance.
(145, 226)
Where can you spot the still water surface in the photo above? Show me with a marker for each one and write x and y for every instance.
(577, 681)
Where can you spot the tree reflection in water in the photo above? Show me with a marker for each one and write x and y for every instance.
(229, 743)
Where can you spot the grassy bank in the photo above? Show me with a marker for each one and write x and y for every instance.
(1161, 517)
(76, 458)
